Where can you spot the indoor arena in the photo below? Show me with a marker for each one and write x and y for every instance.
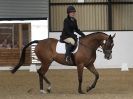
(38, 59)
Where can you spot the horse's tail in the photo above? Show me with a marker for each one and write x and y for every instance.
(22, 58)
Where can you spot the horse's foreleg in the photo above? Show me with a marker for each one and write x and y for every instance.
(80, 74)
(94, 71)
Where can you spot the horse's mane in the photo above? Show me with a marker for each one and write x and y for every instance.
(96, 33)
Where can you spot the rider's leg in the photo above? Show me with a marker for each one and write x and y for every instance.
(68, 52)
(69, 47)
(70, 40)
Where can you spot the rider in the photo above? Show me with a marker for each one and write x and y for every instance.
(68, 36)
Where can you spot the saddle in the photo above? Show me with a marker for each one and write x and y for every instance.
(61, 47)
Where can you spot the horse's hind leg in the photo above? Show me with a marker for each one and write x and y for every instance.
(42, 71)
(94, 71)
(41, 81)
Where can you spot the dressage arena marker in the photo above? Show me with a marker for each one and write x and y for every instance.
(124, 67)
(33, 68)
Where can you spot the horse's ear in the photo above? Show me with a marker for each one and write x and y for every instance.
(113, 35)
(109, 37)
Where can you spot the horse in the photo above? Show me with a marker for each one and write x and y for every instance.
(85, 57)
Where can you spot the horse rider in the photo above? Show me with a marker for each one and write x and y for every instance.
(68, 36)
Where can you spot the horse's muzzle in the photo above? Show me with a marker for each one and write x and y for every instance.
(108, 54)
(108, 57)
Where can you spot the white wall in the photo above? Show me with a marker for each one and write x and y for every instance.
(39, 30)
(122, 51)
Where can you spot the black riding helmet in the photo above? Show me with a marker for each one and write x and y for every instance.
(70, 9)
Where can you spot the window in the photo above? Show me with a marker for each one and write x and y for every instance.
(11, 33)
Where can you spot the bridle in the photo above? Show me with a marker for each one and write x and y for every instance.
(103, 48)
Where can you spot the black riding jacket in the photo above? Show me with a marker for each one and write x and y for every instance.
(70, 26)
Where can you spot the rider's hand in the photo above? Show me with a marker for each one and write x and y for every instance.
(83, 36)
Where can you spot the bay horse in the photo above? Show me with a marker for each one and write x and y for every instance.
(84, 57)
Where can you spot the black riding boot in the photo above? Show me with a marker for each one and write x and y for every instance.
(68, 53)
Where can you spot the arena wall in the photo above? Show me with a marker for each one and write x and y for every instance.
(122, 51)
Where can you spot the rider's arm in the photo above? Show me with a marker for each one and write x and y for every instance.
(78, 30)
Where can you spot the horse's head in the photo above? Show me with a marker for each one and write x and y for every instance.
(107, 46)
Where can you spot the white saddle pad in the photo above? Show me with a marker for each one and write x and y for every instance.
(61, 48)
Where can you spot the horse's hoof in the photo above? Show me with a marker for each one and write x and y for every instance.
(43, 92)
(49, 90)
(81, 92)
(88, 89)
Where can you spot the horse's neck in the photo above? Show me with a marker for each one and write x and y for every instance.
(94, 40)
(101, 36)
